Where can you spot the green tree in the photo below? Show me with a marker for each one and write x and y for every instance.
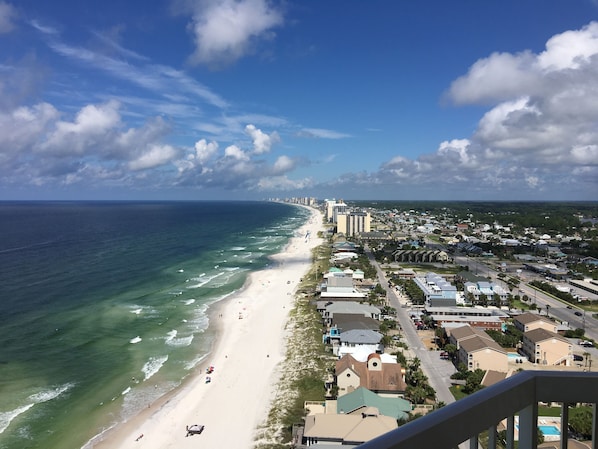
(580, 420)
(451, 349)
(415, 394)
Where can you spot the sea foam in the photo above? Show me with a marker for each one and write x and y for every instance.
(37, 398)
(153, 365)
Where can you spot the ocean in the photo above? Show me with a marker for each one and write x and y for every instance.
(103, 305)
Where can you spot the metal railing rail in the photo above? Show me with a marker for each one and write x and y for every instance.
(519, 395)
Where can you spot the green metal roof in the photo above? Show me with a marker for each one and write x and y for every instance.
(362, 397)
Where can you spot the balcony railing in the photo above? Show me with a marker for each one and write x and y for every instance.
(519, 395)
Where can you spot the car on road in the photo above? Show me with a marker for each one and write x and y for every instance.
(578, 313)
(569, 307)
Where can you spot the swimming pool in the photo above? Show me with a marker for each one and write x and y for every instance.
(550, 430)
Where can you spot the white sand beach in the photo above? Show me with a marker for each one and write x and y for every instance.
(246, 356)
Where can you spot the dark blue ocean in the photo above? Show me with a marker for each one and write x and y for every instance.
(103, 305)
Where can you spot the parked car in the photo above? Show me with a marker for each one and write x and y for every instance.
(586, 344)
(577, 358)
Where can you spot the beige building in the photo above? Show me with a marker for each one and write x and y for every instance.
(479, 353)
(477, 350)
(346, 429)
(546, 348)
(353, 223)
(529, 321)
(462, 333)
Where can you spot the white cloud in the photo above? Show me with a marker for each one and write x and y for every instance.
(322, 133)
(43, 28)
(20, 130)
(505, 76)
(8, 14)
(538, 134)
(225, 30)
(204, 150)
(90, 126)
(155, 156)
(570, 49)
(497, 77)
(283, 164)
(235, 152)
(262, 142)
(283, 183)
(157, 78)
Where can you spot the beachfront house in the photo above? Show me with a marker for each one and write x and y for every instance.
(362, 398)
(373, 374)
(329, 309)
(359, 338)
(350, 429)
(543, 347)
(339, 286)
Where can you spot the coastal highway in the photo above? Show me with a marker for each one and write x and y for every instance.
(437, 370)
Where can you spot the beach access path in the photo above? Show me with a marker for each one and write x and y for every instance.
(250, 346)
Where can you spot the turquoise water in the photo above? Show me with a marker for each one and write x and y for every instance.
(550, 430)
(104, 305)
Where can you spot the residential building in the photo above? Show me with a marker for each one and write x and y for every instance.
(353, 223)
(438, 292)
(356, 338)
(374, 374)
(346, 429)
(529, 321)
(339, 286)
(362, 398)
(546, 348)
(328, 309)
(486, 318)
(487, 289)
(484, 354)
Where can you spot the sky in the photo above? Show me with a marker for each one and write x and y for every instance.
(254, 99)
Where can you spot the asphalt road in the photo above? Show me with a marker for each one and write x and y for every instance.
(437, 370)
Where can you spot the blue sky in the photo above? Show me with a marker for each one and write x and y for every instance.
(249, 99)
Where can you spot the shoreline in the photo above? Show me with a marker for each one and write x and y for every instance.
(249, 346)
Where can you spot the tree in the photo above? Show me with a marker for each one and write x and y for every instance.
(580, 420)
(415, 394)
(483, 300)
(451, 349)
(470, 298)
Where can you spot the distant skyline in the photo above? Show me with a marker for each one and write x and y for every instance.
(250, 99)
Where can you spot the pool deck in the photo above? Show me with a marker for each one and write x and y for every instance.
(543, 421)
